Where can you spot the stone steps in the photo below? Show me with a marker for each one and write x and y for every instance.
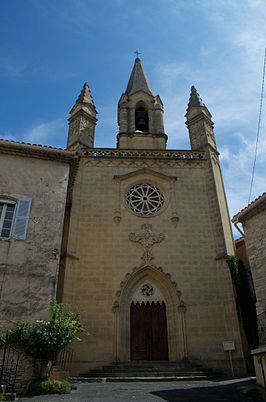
(145, 371)
(145, 374)
(138, 379)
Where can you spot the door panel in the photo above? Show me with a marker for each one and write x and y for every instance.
(159, 333)
(148, 330)
(138, 332)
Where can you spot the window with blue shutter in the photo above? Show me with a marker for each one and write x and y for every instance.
(7, 209)
(21, 218)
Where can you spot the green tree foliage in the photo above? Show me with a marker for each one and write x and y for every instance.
(245, 299)
(44, 387)
(236, 268)
(43, 340)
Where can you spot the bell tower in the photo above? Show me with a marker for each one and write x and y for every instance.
(140, 114)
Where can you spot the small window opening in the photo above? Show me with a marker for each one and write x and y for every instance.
(6, 218)
(141, 119)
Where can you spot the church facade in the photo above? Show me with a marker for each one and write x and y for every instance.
(146, 236)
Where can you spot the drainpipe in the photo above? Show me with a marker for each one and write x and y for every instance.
(238, 228)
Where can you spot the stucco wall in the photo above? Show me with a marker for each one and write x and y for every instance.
(29, 268)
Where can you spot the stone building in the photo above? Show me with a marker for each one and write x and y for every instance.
(33, 192)
(146, 237)
(253, 220)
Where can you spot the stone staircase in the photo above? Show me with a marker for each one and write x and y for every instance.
(145, 371)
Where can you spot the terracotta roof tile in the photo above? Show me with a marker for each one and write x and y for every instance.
(251, 204)
(32, 145)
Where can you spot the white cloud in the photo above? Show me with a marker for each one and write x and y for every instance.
(53, 132)
(231, 90)
(11, 66)
(7, 135)
(225, 154)
(237, 169)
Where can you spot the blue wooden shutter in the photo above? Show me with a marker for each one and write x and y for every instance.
(22, 218)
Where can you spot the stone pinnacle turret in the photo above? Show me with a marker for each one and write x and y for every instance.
(82, 121)
(199, 122)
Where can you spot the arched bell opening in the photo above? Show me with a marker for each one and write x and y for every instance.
(141, 119)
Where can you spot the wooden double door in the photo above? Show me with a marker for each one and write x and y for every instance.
(148, 331)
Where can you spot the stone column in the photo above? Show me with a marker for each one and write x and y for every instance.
(182, 312)
(116, 331)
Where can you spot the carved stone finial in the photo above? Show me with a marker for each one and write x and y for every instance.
(115, 306)
(175, 220)
(182, 307)
(195, 99)
(147, 240)
(85, 95)
(117, 218)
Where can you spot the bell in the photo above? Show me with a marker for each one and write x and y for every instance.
(141, 120)
(141, 124)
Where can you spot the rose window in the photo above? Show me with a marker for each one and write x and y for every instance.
(145, 199)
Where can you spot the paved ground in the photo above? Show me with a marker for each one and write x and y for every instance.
(194, 391)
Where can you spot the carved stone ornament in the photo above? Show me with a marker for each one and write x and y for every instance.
(214, 157)
(147, 290)
(147, 239)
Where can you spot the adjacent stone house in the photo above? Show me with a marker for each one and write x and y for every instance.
(33, 192)
(253, 220)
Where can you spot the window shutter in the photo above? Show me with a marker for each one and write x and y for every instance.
(22, 218)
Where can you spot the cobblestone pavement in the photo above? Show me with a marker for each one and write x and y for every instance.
(193, 391)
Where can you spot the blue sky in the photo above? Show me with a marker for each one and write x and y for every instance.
(48, 49)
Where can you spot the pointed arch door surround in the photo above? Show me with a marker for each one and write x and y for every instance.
(174, 314)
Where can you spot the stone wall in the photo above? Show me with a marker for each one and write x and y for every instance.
(104, 267)
(255, 240)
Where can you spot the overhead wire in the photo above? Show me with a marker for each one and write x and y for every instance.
(258, 127)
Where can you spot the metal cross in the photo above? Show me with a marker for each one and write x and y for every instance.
(137, 53)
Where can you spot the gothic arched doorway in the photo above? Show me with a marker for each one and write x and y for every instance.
(148, 331)
(137, 288)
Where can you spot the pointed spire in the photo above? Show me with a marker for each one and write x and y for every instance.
(85, 95)
(138, 80)
(194, 100)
